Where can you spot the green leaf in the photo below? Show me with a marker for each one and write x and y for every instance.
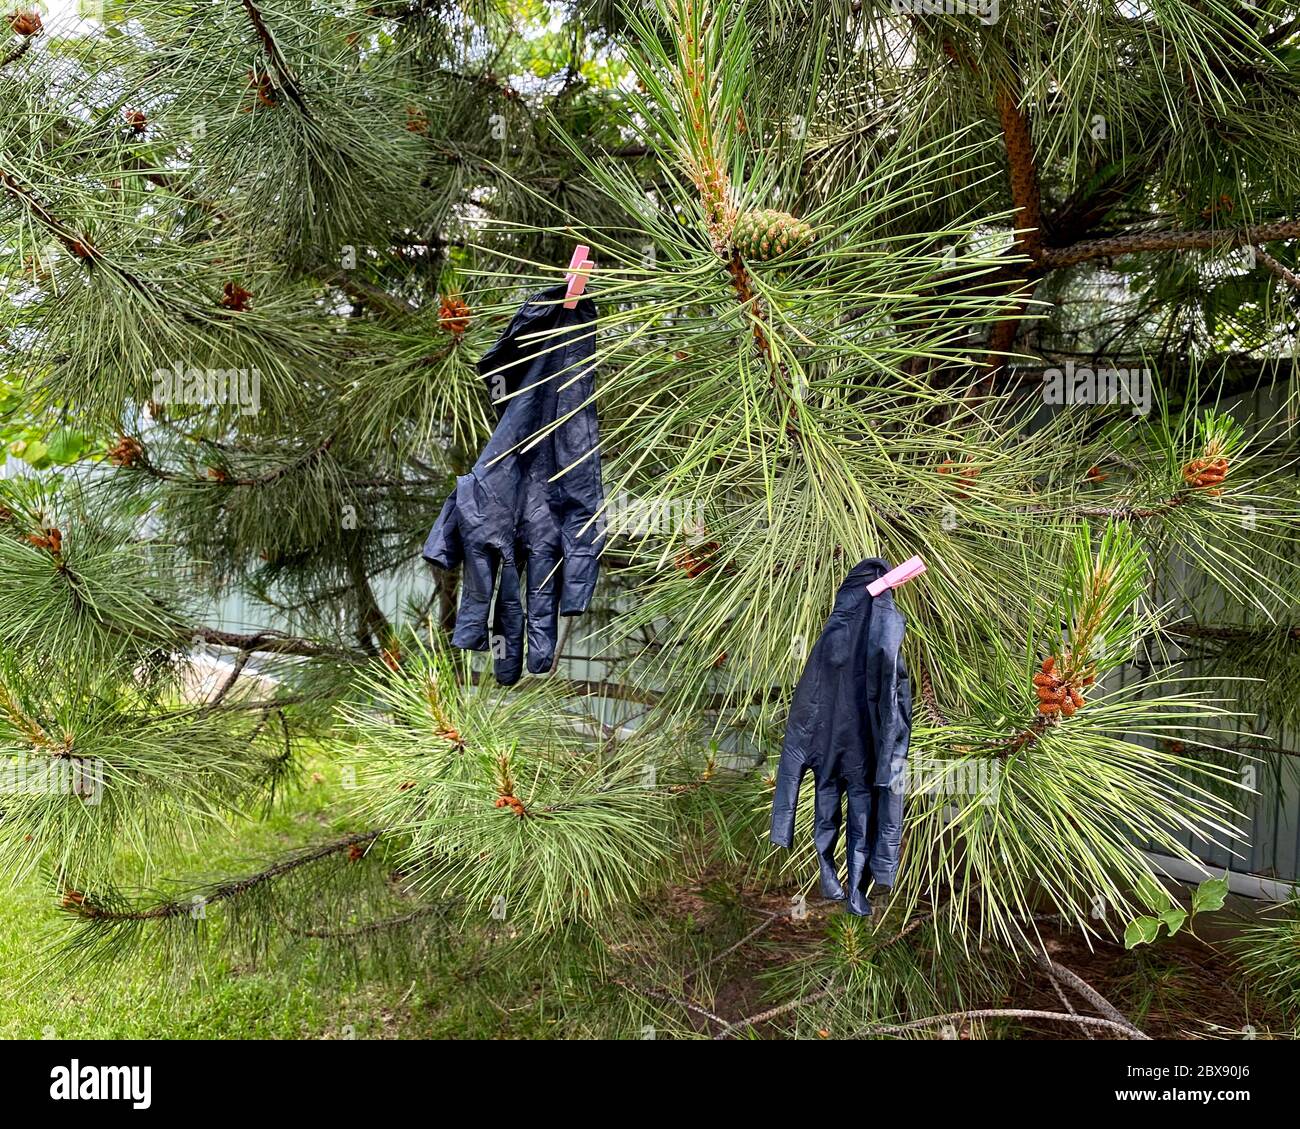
(1175, 919)
(1154, 896)
(1210, 895)
(66, 445)
(33, 452)
(1141, 931)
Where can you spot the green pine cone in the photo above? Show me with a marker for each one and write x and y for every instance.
(765, 233)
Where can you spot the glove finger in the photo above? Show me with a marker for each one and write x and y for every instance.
(581, 570)
(578, 483)
(478, 580)
(543, 606)
(508, 627)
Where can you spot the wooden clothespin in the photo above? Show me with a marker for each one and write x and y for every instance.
(900, 575)
(580, 268)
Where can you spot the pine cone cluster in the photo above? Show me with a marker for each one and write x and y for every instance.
(356, 852)
(1207, 474)
(1057, 694)
(765, 233)
(697, 559)
(128, 452)
(515, 804)
(235, 297)
(417, 121)
(78, 903)
(454, 314)
(714, 188)
(1224, 204)
(391, 653)
(25, 23)
(506, 797)
(263, 91)
(966, 475)
(51, 540)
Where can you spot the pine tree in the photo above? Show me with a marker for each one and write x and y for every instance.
(250, 254)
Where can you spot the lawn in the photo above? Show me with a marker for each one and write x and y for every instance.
(130, 1001)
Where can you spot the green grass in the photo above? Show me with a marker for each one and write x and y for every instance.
(222, 1001)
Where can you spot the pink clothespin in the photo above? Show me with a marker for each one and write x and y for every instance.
(900, 575)
(580, 268)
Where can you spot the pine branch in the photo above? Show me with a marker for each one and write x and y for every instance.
(1005, 1013)
(265, 642)
(1025, 191)
(368, 294)
(1280, 34)
(74, 243)
(668, 997)
(1152, 241)
(1069, 1006)
(18, 52)
(372, 928)
(283, 73)
(1288, 276)
(1233, 633)
(771, 918)
(1026, 195)
(928, 696)
(241, 661)
(84, 906)
(306, 459)
(29, 727)
(1059, 973)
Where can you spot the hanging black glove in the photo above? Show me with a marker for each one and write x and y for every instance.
(849, 725)
(529, 506)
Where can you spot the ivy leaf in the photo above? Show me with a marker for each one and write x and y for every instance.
(33, 452)
(66, 445)
(1141, 931)
(1210, 895)
(1174, 918)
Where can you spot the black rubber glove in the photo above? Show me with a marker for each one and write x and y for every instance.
(529, 507)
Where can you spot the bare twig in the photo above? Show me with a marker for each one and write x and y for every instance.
(1062, 975)
(668, 997)
(759, 928)
(1006, 1013)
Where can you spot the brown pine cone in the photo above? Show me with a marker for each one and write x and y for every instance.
(127, 452)
(235, 297)
(454, 315)
(25, 23)
(263, 88)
